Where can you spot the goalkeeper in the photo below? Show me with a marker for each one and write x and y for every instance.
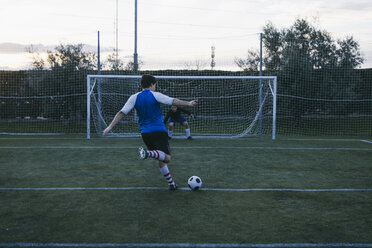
(175, 115)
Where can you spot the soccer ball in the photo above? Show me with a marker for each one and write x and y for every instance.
(194, 183)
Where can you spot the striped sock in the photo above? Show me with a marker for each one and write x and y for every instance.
(165, 171)
(157, 154)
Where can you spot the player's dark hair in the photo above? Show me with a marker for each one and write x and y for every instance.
(147, 80)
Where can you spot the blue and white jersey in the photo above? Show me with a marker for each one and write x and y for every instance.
(147, 104)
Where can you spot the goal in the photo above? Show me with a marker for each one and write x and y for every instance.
(228, 106)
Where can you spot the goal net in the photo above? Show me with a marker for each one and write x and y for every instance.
(229, 106)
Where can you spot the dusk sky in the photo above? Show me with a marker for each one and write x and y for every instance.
(171, 33)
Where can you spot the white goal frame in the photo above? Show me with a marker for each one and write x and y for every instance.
(273, 89)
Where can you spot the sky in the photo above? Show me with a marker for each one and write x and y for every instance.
(171, 33)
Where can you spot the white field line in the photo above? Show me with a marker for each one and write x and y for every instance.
(183, 189)
(320, 139)
(367, 141)
(251, 139)
(198, 147)
(209, 245)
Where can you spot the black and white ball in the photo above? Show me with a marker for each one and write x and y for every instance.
(194, 183)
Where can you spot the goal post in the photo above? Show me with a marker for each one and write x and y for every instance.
(229, 106)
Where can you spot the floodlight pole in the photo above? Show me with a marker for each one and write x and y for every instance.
(135, 55)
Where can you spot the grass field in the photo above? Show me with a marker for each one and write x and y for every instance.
(67, 191)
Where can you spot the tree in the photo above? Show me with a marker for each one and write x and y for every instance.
(272, 43)
(131, 67)
(38, 61)
(114, 63)
(309, 64)
(348, 54)
(250, 63)
(306, 42)
(71, 58)
(65, 82)
(196, 65)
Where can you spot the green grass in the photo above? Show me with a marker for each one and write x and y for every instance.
(161, 216)
(336, 126)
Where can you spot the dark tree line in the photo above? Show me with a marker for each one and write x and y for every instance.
(304, 46)
(314, 71)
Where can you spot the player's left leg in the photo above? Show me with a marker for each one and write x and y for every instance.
(158, 146)
(187, 129)
(170, 129)
(163, 167)
(184, 123)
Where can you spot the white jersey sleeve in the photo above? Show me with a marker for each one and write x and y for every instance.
(129, 105)
(164, 99)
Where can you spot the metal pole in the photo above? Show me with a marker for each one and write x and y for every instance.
(98, 57)
(260, 90)
(117, 34)
(135, 56)
(274, 108)
(88, 107)
(99, 121)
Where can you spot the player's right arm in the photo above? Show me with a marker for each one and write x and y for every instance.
(119, 115)
(128, 106)
(178, 102)
(164, 99)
